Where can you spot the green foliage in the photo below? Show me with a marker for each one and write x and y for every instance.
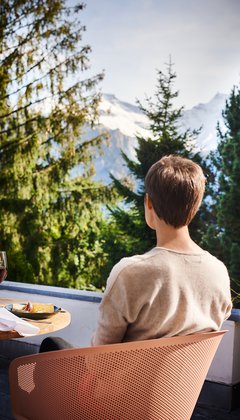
(224, 234)
(166, 138)
(119, 241)
(50, 221)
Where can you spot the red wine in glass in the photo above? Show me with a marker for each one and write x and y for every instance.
(3, 274)
(3, 266)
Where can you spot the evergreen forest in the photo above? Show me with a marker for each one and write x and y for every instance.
(68, 230)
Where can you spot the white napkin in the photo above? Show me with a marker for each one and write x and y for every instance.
(9, 321)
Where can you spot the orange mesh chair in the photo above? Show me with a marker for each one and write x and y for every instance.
(143, 380)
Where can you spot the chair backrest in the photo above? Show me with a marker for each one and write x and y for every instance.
(152, 379)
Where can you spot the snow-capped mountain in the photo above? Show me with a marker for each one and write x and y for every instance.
(206, 116)
(123, 121)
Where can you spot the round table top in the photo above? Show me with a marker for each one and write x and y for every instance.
(56, 322)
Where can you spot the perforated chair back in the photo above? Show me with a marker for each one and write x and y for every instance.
(144, 380)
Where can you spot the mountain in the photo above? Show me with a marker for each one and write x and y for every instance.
(123, 121)
(206, 116)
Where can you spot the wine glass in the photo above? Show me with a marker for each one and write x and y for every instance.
(3, 266)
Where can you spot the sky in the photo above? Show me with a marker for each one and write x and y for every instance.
(132, 39)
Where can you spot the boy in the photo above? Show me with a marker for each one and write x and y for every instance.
(176, 288)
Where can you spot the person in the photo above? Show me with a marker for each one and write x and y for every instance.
(176, 288)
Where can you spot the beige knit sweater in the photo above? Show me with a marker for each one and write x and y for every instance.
(163, 293)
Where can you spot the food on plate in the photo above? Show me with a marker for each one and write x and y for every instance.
(28, 307)
(35, 307)
(43, 307)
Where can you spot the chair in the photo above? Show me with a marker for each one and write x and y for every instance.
(143, 380)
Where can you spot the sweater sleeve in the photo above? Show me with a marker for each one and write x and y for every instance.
(112, 324)
(228, 298)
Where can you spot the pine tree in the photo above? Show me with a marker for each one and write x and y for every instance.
(223, 237)
(50, 219)
(166, 138)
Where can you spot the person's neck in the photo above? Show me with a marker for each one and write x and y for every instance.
(175, 239)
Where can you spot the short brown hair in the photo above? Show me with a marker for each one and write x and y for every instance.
(175, 186)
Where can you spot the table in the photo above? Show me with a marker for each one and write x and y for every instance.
(56, 322)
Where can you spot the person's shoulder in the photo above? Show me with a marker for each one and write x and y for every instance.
(216, 261)
(126, 264)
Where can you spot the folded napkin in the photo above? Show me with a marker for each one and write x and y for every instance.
(9, 321)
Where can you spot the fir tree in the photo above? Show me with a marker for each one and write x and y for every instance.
(50, 220)
(223, 236)
(166, 138)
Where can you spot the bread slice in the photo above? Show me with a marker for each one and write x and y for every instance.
(43, 307)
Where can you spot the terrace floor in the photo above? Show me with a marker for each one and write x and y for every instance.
(83, 307)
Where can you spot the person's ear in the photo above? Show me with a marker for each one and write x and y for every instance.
(149, 212)
(148, 201)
